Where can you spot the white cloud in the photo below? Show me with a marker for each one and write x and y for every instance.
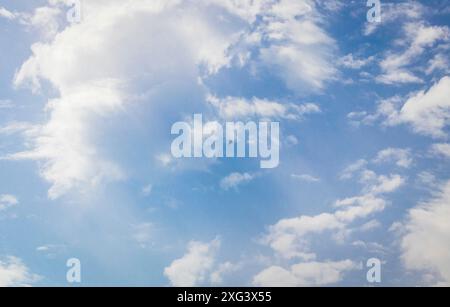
(45, 20)
(401, 157)
(419, 37)
(7, 201)
(305, 274)
(91, 70)
(234, 180)
(290, 238)
(305, 177)
(398, 76)
(349, 61)
(298, 48)
(235, 108)
(387, 109)
(350, 170)
(427, 112)
(425, 245)
(426, 179)
(196, 266)
(217, 276)
(442, 149)
(387, 184)
(394, 12)
(16, 127)
(332, 5)
(371, 247)
(373, 224)
(375, 184)
(95, 66)
(439, 62)
(6, 14)
(51, 250)
(43, 248)
(14, 273)
(358, 207)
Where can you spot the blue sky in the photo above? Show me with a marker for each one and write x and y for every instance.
(86, 111)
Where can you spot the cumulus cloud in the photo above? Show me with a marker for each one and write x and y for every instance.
(217, 276)
(291, 238)
(92, 71)
(95, 67)
(45, 20)
(288, 236)
(427, 112)
(300, 51)
(14, 273)
(197, 266)
(387, 184)
(427, 229)
(305, 274)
